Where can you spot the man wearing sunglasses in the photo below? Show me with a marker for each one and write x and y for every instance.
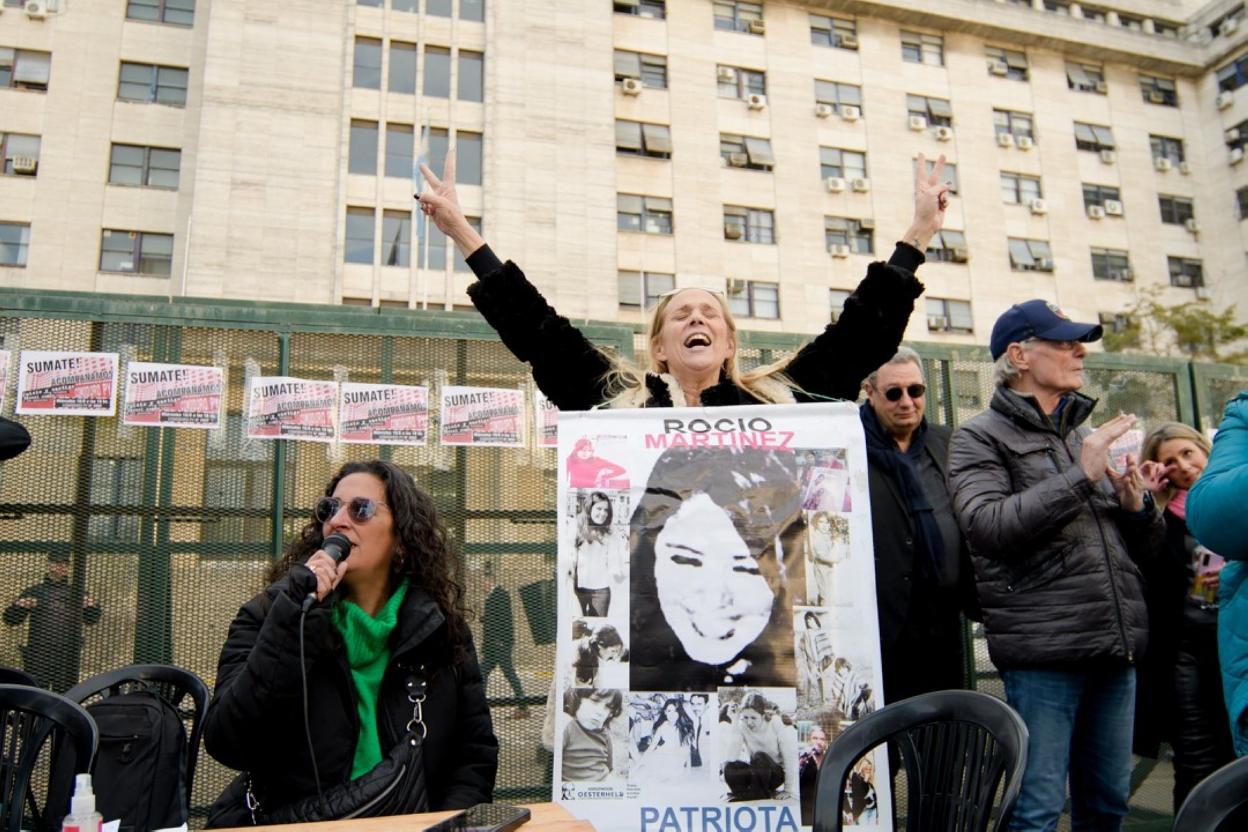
(918, 547)
(1054, 533)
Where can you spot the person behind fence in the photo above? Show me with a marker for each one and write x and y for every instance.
(919, 551)
(588, 754)
(691, 357)
(54, 641)
(760, 753)
(1054, 535)
(498, 638)
(1216, 515)
(1179, 693)
(717, 538)
(394, 717)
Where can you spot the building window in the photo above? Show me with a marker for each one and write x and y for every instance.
(25, 69)
(1093, 137)
(735, 82)
(150, 167)
(1130, 21)
(847, 164)
(921, 48)
(1241, 201)
(1159, 90)
(14, 241)
(651, 70)
(1086, 77)
(936, 111)
(435, 254)
(1175, 210)
(949, 175)
(472, 10)
(410, 6)
(836, 303)
(361, 227)
(749, 152)
(1111, 264)
(19, 154)
(656, 9)
(173, 12)
(396, 238)
(1019, 188)
(635, 138)
(366, 66)
(402, 77)
(642, 290)
(838, 96)
(966, 389)
(399, 151)
(647, 214)
(1098, 195)
(136, 252)
(151, 84)
(1227, 23)
(438, 8)
(1237, 136)
(858, 236)
(1165, 147)
(944, 315)
(753, 299)
(1011, 123)
(1061, 7)
(1234, 75)
(1185, 272)
(437, 72)
(439, 143)
(469, 158)
(1006, 63)
(948, 246)
(362, 150)
(738, 16)
(1094, 14)
(749, 225)
(1030, 255)
(1165, 29)
(471, 76)
(1115, 321)
(115, 482)
(837, 32)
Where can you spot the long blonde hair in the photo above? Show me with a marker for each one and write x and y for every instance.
(626, 382)
(1162, 434)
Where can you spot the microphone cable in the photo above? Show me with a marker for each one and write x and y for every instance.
(307, 725)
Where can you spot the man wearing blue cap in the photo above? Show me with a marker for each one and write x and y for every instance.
(1053, 531)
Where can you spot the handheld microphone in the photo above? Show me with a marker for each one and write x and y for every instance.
(338, 547)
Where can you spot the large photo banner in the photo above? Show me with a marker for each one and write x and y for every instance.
(717, 618)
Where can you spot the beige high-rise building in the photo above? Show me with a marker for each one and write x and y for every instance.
(263, 150)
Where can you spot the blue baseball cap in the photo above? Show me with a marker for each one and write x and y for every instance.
(1037, 319)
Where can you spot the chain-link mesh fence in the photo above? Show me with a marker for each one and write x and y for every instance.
(149, 540)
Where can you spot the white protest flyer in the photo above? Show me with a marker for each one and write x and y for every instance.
(280, 407)
(545, 421)
(383, 414)
(486, 416)
(717, 616)
(5, 357)
(67, 383)
(173, 395)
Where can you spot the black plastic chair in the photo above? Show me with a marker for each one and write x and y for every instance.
(956, 746)
(182, 689)
(29, 718)
(1215, 800)
(13, 676)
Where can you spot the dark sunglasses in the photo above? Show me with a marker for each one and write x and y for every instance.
(359, 509)
(914, 391)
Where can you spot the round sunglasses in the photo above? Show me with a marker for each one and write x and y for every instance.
(914, 391)
(360, 509)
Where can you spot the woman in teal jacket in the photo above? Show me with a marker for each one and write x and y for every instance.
(1216, 516)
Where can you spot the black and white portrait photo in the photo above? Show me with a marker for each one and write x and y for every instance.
(600, 550)
(759, 760)
(599, 654)
(827, 549)
(595, 736)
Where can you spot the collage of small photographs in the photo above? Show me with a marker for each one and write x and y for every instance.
(704, 664)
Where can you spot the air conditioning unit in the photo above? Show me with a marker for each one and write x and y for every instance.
(631, 86)
(867, 223)
(1225, 99)
(1163, 164)
(823, 110)
(1038, 205)
(1231, 135)
(944, 134)
(756, 101)
(961, 254)
(1156, 97)
(1113, 207)
(1228, 26)
(835, 184)
(937, 322)
(732, 231)
(1191, 225)
(727, 75)
(1183, 281)
(1108, 156)
(998, 68)
(1045, 264)
(1203, 293)
(1236, 156)
(1101, 87)
(1096, 212)
(738, 160)
(851, 113)
(918, 123)
(849, 41)
(1185, 167)
(25, 164)
(758, 27)
(36, 9)
(1005, 139)
(861, 185)
(838, 250)
(1122, 275)
(1025, 142)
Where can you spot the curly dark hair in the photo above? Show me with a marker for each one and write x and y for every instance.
(425, 556)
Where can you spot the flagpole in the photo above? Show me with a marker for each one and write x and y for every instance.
(422, 226)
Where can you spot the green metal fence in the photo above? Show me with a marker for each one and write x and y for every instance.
(172, 530)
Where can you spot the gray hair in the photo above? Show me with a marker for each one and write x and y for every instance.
(904, 355)
(1003, 371)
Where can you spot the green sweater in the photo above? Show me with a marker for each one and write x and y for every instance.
(367, 640)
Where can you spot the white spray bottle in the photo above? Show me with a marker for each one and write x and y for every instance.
(82, 816)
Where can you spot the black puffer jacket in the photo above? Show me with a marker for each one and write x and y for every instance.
(255, 722)
(570, 370)
(1053, 552)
